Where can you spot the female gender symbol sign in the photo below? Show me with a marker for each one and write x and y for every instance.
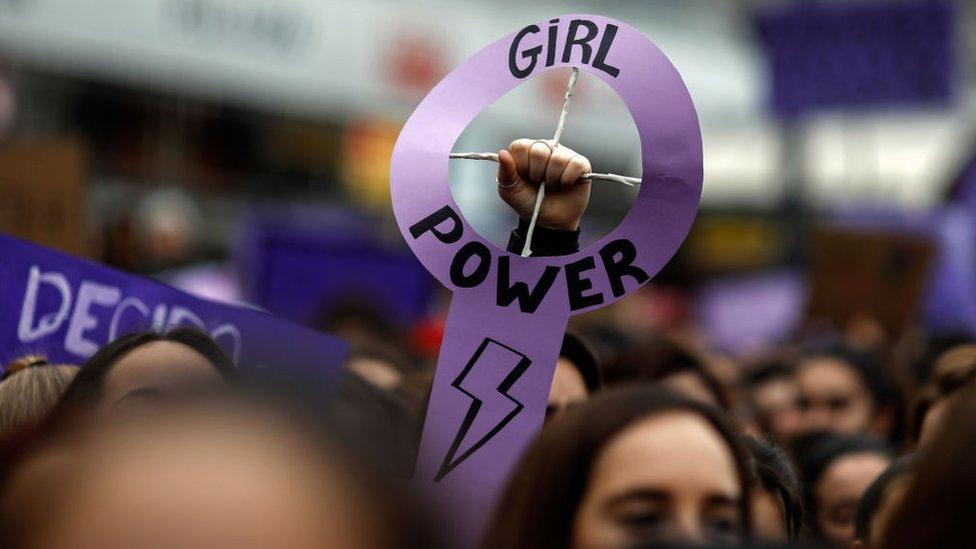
(509, 313)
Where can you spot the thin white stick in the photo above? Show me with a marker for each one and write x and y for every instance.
(570, 91)
(541, 193)
(612, 177)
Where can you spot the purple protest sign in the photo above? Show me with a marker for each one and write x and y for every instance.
(67, 308)
(508, 313)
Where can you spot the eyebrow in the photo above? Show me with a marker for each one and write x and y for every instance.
(722, 500)
(718, 500)
(145, 392)
(640, 494)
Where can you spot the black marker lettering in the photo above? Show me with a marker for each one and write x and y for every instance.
(551, 46)
(532, 53)
(528, 300)
(617, 269)
(583, 43)
(601, 54)
(469, 250)
(430, 223)
(576, 285)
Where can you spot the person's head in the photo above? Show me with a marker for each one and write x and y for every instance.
(576, 377)
(848, 392)
(357, 319)
(880, 501)
(632, 465)
(147, 367)
(775, 395)
(665, 362)
(29, 389)
(836, 470)
(954, 369)
(777, 504)
(939, 506)
(211, 472)
(383, 365)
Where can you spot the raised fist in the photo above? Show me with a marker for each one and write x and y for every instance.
(528, 163)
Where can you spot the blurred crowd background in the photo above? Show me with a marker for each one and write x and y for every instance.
(239, 150)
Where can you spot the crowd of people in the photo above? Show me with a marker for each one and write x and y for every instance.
(650, 438)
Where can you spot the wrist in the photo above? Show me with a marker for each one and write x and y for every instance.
(559, 226)
(546, 241)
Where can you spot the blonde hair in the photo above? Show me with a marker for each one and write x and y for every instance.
(29, 389)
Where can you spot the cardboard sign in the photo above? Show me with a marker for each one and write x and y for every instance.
(880, 274)
(42, 194)
(508, 314)
(67, 308)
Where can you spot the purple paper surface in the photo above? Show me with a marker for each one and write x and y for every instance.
(66, 308)
(745, 314)
(500, 346)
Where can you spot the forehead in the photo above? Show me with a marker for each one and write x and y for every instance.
(567, 374)
(827, 370)
(159, 361)
(850, 475)
(668, 451)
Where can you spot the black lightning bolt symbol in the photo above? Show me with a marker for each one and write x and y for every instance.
(498, 399)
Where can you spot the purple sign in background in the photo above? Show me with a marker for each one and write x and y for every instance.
(299, 268)
(950, 293)
(66, 308)
(508, 314)
(857, 55)
(745, 314)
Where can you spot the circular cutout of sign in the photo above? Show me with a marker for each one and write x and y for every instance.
(667, 124)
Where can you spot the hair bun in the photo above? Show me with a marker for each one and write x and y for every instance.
(23, 363)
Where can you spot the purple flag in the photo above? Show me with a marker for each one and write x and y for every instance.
(67, 308)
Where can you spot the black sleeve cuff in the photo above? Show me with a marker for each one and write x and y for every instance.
(545, 242)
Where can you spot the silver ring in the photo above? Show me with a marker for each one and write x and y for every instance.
(544, 142)
(514, 182)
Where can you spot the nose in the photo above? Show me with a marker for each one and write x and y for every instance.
(816, 418)
(688, 527)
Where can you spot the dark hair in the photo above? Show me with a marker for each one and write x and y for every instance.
(954, 369)
(405, 521)
(774, 472)
(871, 500)
(938, 508)
(767, 370)
(878, 381)
(86, 387)
(538, 505)
(657, 359)
(379, 426)
(578, 352)
(816, 452)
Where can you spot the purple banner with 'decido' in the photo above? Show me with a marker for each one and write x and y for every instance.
(66, 308)
(508, 313)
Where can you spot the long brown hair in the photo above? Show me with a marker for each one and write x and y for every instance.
(537, 508)
(939, 508)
